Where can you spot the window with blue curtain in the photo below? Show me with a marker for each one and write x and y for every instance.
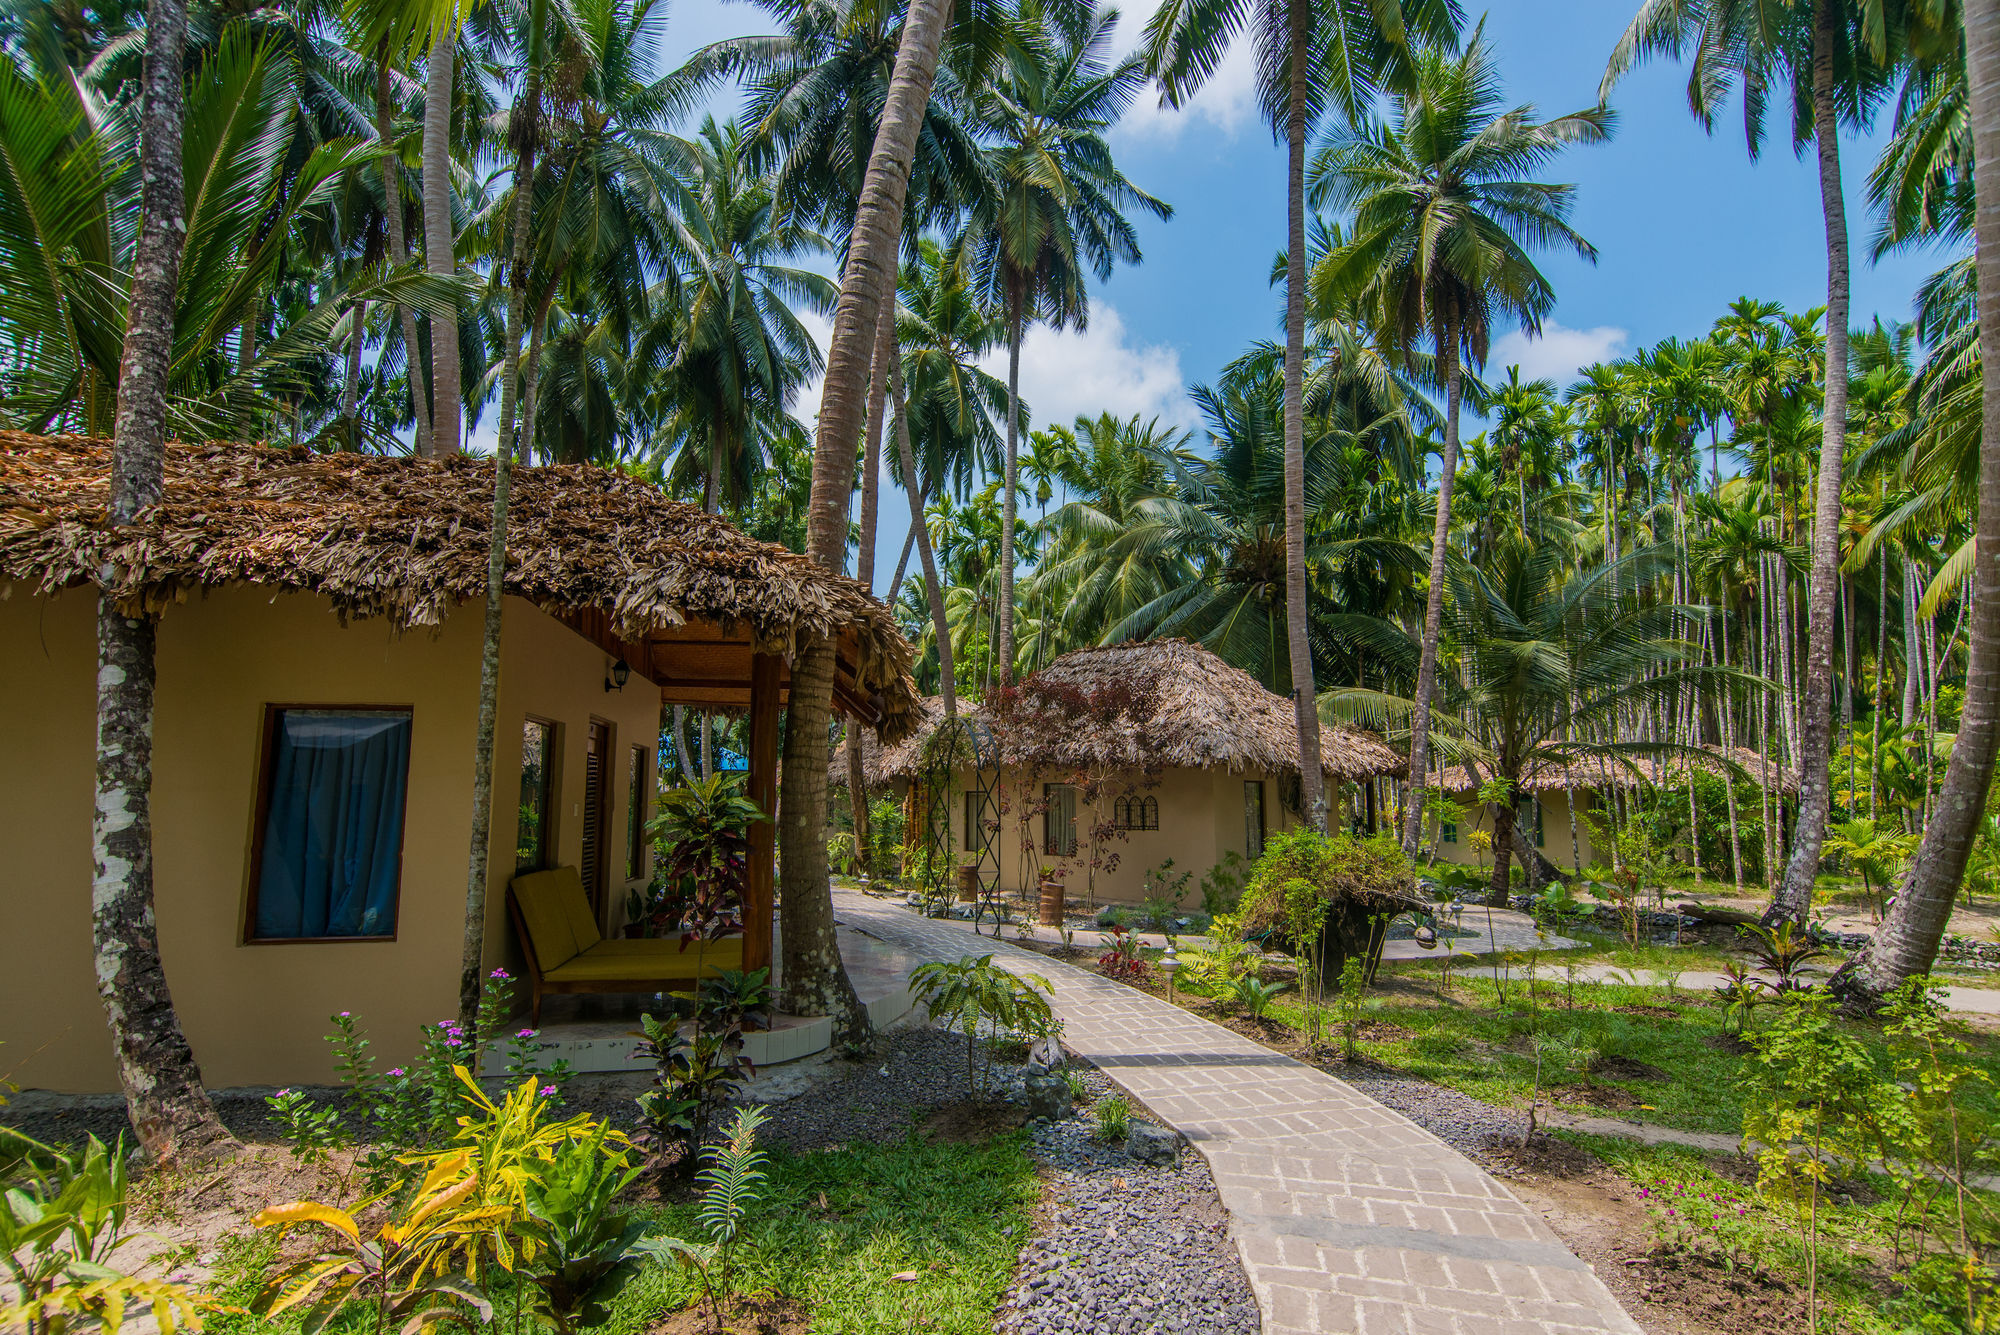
(336, 784)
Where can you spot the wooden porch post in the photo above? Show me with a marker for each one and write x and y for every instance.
(757, 898)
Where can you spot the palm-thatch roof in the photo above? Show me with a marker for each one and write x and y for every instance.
(1601, 773)
(882, 764)
(1152, 704)
(680, 592)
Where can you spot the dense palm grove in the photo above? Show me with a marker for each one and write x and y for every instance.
(405, 221)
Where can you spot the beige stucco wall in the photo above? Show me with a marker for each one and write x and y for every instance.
(1555, 846)
(1201, 819)
(255, 1013)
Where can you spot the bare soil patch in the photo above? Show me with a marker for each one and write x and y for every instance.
(972, 1122)
(1599, 1217)
(1626, 1068)
(758, 1314)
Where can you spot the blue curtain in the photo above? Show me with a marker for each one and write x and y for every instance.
(334, 833)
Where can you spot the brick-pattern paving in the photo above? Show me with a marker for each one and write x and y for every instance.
(1349, 1217)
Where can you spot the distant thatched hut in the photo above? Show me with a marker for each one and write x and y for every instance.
(1549, 784)
(1111, 760)
(312, 769)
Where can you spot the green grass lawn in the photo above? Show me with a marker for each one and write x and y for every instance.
(1479, 1043)
(955, 1214)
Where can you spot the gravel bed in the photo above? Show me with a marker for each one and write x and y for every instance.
(1459, 1120)
(1125, 1247)
(877, 1100)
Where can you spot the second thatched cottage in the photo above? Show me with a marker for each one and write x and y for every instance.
(1106, 764)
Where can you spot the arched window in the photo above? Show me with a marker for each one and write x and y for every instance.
(1149, 814)
(1121, 813)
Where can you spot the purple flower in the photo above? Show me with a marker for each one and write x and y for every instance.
(548, 1091)
(284, 1093)
(347, 1015)
(395, 1070)
(500, 973)
(453, 1043)
(526, 1033)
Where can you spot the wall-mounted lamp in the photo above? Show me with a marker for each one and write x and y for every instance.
(617, 677)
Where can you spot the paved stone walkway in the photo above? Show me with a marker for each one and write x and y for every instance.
(1350, 1219)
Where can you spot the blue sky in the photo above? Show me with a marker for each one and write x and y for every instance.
(1683, 223)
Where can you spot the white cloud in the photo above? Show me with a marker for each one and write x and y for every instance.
(1064, 373)
(1227, 100)
(1557, 354)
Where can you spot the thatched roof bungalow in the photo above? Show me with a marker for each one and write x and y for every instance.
(1146, 751)
(1549, 781)
(319, 644)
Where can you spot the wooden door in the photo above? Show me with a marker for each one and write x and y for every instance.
(596, 816)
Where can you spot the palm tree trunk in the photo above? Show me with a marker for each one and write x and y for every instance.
(1500, 886)
(530, 398)
(169, 1108)
(864, 558)
(933, 587)
(350, 386)
(472, 955)
(440, 238)
(1913, 674)
(681, 744)
(1907, 942)
(815, 981)
(1794, 897)
(1881, 700)
(1427, 662)
(1305, 704)
(399, 253)
(909, 544)
(1016, 328)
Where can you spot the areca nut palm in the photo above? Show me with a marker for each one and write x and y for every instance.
(1832, 58)
(430, 27)
(1056, 206)
(1445, 212)
(1312, 55)
(1908, 940)
(168, 1106)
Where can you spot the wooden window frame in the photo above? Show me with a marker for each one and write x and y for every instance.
(253, 874)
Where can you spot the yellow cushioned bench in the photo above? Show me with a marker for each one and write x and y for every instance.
(566, 952)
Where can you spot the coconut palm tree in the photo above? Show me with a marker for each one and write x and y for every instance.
(1829, 61)
(1056, 207)
(64, 261)
(1312, 56)
(1088, 569)
(1445, 212)
(740, 349)
(1908, 940)
(163, 1091)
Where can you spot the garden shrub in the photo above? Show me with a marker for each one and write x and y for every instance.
(1357, 885)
